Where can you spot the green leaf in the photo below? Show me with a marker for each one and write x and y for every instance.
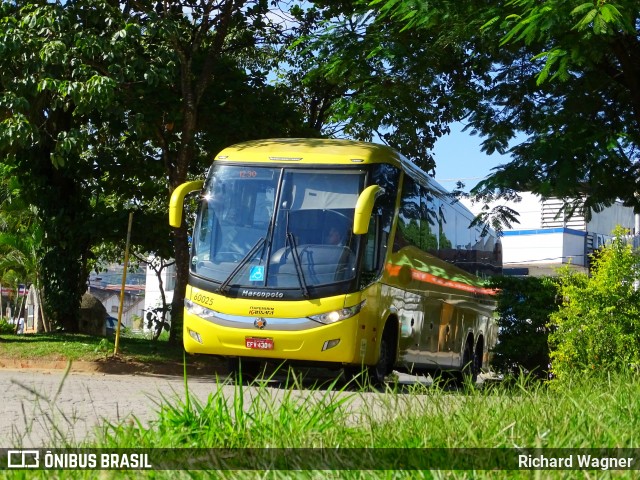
(586, 20)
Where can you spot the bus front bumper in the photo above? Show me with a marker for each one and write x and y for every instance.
(345, 341)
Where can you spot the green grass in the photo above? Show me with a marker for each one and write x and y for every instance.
(602, 412)
(80, 347)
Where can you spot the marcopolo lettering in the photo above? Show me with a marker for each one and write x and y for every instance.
(261, 294)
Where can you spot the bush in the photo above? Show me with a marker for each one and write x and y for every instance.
(598, 324)
(6, 328)
(524, 307)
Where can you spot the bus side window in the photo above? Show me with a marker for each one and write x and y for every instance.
(409, 216)
(370, 263)
(377, 240)
(428, 221)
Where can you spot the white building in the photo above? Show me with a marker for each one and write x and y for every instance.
(546, 239)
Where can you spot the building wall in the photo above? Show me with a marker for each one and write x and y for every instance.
(547, 238)
(529, 210)
(133, 305)
(543, 246)
(604, 222)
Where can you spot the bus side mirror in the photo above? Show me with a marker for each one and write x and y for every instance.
(177, 200)
(364, 207)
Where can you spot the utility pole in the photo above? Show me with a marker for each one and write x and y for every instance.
(124, 282)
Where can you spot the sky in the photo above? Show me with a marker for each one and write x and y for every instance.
(458, 157)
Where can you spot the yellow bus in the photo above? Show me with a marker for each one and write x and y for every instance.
(335, 253)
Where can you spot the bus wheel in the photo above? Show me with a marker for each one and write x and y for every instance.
(364, 376)
(477, 356)
(378, 372)
(469, 371)
(374, 375)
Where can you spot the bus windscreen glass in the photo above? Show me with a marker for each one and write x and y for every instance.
(277, 228)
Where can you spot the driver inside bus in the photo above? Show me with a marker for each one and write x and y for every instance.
(334, 237)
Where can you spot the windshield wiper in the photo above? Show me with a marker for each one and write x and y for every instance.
(297, 263)
(225, 285)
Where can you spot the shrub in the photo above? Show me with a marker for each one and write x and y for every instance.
(524, 307)
(6, 328)
(598, 324)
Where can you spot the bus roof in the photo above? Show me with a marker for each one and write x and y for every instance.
(310, 150)
(323, 151)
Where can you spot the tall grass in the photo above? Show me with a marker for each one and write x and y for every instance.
(588, 412)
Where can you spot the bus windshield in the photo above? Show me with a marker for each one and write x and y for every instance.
(271, 227)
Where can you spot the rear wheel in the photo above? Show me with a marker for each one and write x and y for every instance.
(469, 371)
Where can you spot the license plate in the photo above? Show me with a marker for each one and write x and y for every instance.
(259, 343)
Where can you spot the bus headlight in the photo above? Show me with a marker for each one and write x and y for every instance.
(337, 315)
(199, 310)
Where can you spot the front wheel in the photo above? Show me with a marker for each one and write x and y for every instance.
(379, 372)
(373, 375)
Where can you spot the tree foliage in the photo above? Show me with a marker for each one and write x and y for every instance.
(597, 325)
(563, 73)
(107, 106)
(52, 104)
(569, 78)
(362, 75)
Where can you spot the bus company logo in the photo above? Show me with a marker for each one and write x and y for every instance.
(23, 459)
(260, 294)
(260, 323)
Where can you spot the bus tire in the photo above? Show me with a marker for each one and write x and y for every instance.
(468, 370)
(375, 375)
(378, 372)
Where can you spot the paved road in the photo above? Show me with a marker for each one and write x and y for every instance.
(40, 410)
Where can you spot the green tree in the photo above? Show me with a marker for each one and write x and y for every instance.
(209, 68)
(563, 73)
(97, 123)
(597, 325)
(361, 74)
(57, 111)
(573, 86)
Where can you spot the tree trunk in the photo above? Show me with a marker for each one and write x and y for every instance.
(192, 86)
(182, 275)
